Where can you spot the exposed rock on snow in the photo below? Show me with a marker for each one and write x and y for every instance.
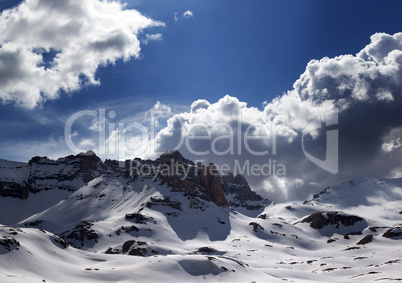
(367, 239)
(394, 233)
(320, 219)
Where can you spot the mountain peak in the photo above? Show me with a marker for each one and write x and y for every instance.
(88, 153)
(173, 155)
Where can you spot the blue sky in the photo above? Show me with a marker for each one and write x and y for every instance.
(252, 50)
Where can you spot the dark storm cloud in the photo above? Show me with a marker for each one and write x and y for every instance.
(366, 91)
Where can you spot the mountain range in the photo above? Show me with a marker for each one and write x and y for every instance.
(82, 219)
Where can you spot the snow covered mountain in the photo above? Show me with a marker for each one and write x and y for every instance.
(79, 218)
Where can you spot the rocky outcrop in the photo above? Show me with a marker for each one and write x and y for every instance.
(81, 235)
(139, 218)
(240, 194)
(47, 174)
(41, 173)
(320, 219)
(181, 174)
(9, 243)
(13, 179)
(15, 190)
(166, 202)
(132, 247)
(393, 233)
(238, 186)
(367, 239)
(212, 183)
(91, 166)
(174, 155)
(256, 226)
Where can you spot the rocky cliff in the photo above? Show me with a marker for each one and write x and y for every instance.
(240, 194)
(171, 168)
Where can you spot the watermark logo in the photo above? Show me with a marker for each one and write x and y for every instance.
(250, 148)
(330, 121)
(199, 139)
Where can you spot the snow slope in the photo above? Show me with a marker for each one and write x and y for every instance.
(126, 229)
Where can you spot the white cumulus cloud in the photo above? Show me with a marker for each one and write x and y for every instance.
(186, 15)
(152, 37)
(51, 46)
